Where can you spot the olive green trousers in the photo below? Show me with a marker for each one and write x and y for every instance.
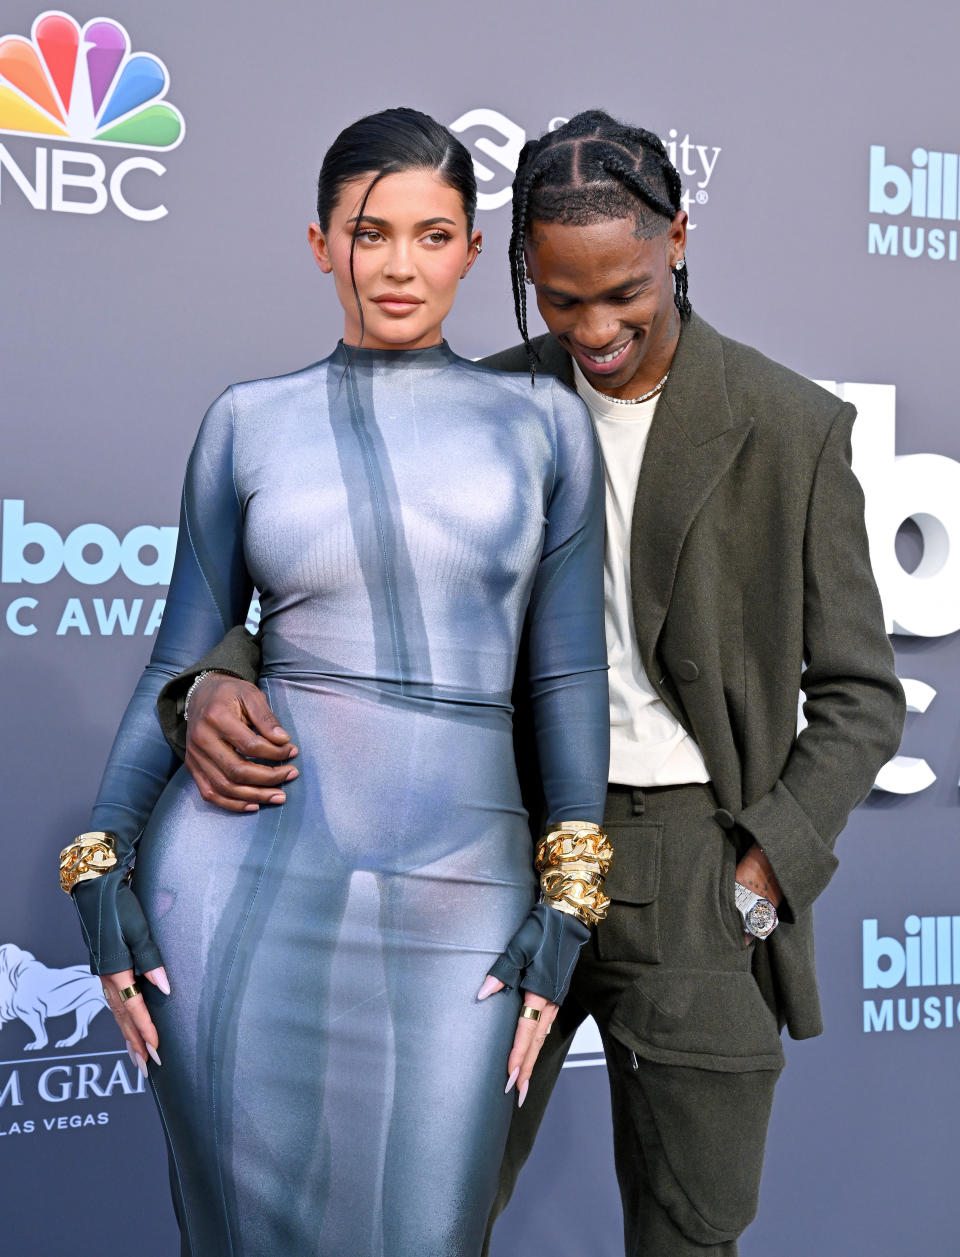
(693, 1052)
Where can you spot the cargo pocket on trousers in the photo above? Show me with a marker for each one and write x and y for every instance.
(703, 1054)
(632, 928)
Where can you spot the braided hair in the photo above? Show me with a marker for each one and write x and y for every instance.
(591, 168)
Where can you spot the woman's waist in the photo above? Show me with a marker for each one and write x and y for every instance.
(380, 687)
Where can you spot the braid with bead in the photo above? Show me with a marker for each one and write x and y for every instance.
(591, 168)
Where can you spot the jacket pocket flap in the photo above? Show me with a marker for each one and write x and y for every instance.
(705, 1019)
(634, 875)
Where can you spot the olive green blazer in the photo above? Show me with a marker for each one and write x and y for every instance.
(751, 579)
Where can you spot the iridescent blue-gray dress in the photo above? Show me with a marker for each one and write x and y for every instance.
(330, 1084)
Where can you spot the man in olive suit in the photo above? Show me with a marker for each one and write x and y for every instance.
(737, 574)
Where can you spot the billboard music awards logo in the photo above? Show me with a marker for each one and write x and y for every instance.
(34, 553)
(83, 85)
(43, 1093)
(928, 957)
(495, 142)
(926, 194)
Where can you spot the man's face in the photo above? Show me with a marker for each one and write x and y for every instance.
(606, 294)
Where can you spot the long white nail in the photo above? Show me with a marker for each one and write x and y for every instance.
(130, 1052)
(141, 1063)
(153, 1054)
(511, 1080)
(490, 985)
(163, 984)
(522, 1093)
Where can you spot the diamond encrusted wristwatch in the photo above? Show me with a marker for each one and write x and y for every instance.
(758, 914)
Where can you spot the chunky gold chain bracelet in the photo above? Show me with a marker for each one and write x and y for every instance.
(88, 856)
(573, 859)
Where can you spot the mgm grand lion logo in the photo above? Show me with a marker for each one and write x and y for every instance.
(30, 992)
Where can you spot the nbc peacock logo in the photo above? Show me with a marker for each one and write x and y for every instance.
(84, 85)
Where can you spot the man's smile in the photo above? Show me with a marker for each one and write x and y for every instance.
(602, 363)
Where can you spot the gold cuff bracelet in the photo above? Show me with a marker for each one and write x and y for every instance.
(88, 856)
(573, 859)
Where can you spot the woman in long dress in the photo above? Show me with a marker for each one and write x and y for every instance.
(330, 1083)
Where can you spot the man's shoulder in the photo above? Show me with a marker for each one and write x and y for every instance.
(551, 358)
(757, 383)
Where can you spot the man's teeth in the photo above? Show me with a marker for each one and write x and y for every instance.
(602, 358)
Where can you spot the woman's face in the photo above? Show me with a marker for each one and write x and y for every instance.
(412, 250)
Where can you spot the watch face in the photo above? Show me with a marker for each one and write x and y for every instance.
(761, 920)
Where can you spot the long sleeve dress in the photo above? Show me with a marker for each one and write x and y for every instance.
(330, 1085)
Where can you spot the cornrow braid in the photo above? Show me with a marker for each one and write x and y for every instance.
(628, 176)
(591, 168)
(518, 236)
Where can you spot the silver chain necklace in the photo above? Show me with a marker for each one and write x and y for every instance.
(635, 401)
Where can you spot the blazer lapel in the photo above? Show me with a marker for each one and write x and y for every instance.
(693, 439)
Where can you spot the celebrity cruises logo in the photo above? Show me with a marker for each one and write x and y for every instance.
(83, 85)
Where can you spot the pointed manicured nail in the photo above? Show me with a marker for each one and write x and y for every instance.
(511, 1080)
(522, 1093)
(490, 985)
(141, 1063)
(162, 984)
(130, 1052)
(154, 1055)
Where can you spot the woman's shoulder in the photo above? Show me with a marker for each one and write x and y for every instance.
(243, 403)
(275, 387)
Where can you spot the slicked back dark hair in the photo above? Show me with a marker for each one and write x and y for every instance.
(593, 168)
(387, 143)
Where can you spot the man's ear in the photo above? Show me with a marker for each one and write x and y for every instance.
(677, 238)
(318, 247)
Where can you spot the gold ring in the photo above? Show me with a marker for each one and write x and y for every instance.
(531, 1012)
(128, 992)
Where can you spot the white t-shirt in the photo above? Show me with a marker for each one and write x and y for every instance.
(648, 746)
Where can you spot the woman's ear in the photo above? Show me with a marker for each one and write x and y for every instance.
(318, 247)
(474, 251)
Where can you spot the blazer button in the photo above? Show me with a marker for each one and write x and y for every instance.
(687, 670)
(725, 819)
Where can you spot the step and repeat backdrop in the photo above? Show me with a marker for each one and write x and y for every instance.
(156, 180)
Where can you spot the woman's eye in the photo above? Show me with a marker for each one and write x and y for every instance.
(370, 234)
(438, 237)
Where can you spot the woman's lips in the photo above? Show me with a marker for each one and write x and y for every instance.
(603, 364)
(398, 303)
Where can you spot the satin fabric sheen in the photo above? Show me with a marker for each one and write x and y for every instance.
(330, 1084)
